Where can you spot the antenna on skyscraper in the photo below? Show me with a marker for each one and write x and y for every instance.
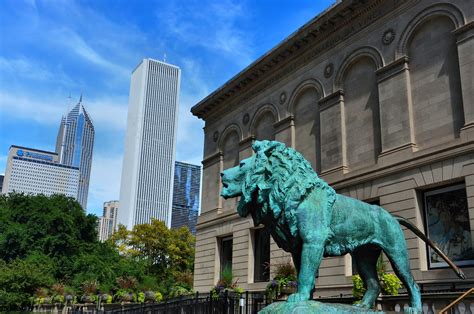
(164, 57)
(80, 99)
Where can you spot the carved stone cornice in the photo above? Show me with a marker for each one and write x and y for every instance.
(212, 159)
(284, 124)
(464, 32)
(331, 100)
(391, 69)
(246, 142)
(339, 22)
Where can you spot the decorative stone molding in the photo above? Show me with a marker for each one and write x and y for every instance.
(246, 119)
(265, 108)
(328, 70)
(392, 69)
(331, 100)
(246, 142)
(284, 124)
(282, 98)
(212, 159)
(367, 51)
(388, 36)
(303, 86)
(230, 128)
(464, 32)
(443, 9)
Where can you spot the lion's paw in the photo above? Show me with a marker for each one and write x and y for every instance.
(412, 310)
(362, 305)
(297, 297)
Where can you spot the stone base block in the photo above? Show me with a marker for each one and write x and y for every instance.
(311, 307)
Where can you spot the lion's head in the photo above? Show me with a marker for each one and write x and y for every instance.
(273, 182)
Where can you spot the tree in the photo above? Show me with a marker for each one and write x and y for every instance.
(167, 253)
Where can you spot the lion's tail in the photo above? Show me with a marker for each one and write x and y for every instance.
(405, 222)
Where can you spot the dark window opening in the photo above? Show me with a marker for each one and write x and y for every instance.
(226, 253)
(261, 255)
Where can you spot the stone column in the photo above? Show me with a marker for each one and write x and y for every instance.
(333, 136)
(465, 42)
(284, 131)
(396, 113)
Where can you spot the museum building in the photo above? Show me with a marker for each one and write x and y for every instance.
(378, 96)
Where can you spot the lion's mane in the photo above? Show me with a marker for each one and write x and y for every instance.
(280, 180)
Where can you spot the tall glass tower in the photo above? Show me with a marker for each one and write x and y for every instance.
(74, 146)
(150, 140)
(186, 195)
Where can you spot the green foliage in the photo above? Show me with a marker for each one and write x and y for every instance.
(389, 283)
(167, 253)
(49, 242)
(19, 279)
(358, 288)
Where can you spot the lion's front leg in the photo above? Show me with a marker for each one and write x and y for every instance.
(311, 256)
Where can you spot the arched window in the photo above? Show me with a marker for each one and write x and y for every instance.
(263, 128)
(230, 151)
(361, 110)
(435, 82)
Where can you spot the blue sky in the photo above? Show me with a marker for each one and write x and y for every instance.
(52, 49)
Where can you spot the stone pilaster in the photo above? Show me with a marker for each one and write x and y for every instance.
(284, 131)
(211, 187)
(333, 148)
(396, 113)
(465, 42)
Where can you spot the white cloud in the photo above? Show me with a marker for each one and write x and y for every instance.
(23, 107)
(213, 26)
(75, 43)
(109, 113)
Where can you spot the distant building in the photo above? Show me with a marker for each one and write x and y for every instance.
(74, 145)
(147, 173)
(1, 182)
(38, 172)
(108, 221)
(186, 193)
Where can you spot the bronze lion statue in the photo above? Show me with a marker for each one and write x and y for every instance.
(306, 217)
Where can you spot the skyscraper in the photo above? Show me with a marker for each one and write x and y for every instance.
(148, 165)
(74, 146)
(186, 193)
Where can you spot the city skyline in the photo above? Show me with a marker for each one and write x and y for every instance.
(146, 189)
(49, 51)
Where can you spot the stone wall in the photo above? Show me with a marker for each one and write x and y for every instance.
(384, 112)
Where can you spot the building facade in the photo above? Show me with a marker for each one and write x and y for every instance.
(1, 182)
(147, 172)
(75, 144)
(186, 195)
(38, 172)
(378, 96)
(108, 222)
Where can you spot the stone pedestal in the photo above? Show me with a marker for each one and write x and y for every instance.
(312, 307)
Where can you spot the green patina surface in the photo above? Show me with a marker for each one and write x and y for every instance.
(306, 217)
(304, 307)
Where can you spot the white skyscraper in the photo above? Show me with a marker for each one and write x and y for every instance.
(148, 166)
